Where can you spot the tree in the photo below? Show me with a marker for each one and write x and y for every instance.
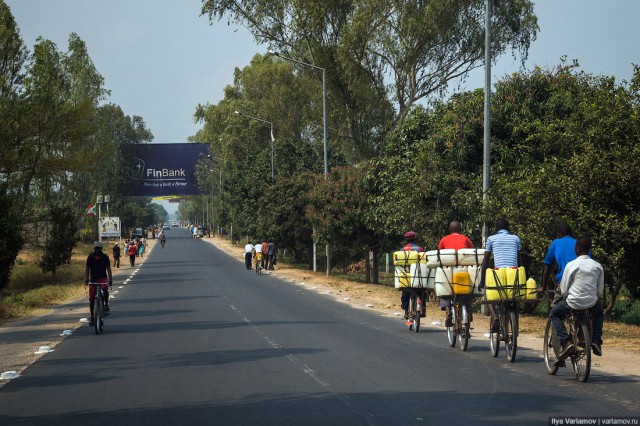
(61, 238)
(420, 47)
(11, 239)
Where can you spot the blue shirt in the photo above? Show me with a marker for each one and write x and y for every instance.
(505, 248)
(561, 251)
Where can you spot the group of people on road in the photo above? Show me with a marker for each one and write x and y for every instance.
(579, 281)
(263, 255)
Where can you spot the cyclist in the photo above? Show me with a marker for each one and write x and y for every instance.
(561, 251)
(405, 297)
(162, 238)
(455, 240)
(98, 269)
(582, 285)
(258, 255)
(506, 250)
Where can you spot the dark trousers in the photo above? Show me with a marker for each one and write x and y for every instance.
(247, 260)
(116, 262)
(132, 259)
(560, 311)
(270, 262)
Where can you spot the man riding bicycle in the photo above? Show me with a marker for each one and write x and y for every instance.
(582, 285)
(162, 238)
(98, 268)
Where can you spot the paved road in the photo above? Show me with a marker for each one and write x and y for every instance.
(197, 339)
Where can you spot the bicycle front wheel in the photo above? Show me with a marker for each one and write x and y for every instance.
(494, 336)
(511, 335)
(451, 331)
(581, 359)
(551, 348)
(97, 314)
(463, 329)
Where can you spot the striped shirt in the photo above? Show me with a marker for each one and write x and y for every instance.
(505, 248)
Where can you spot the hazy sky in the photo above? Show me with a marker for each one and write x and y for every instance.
(160, 58)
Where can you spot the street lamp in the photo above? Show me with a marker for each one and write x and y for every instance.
(324, 124)
(270, 124)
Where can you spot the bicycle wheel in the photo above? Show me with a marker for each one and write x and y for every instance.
(494, 336)
(451, 331)
(511, 335)
(551, 348)
(463, 334)
(416, 313)
(581, 358)
(97, 314)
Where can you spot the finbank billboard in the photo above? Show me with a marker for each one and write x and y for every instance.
(164, 168)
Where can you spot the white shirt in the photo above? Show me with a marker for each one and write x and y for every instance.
(248, 248)
(582, 282)
(258, 248)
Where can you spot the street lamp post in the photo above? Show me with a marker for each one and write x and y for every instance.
(271, 125)
(324, 125)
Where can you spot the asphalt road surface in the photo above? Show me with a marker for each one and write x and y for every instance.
(195, 338)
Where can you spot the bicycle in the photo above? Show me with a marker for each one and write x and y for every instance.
(461, 309)
(162, 241)
(99, 308)
(508, 312)
(259, 263)
(414, 310)
(580, 328)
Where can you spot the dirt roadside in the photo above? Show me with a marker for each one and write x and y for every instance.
(621, 355)
(21, 338)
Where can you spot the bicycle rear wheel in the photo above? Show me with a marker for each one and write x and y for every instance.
(463, 335)
(451, 331)
(551, 348)
(511, 335)
(581, 358)
(97, 314)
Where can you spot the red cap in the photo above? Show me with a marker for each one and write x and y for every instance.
(410, 235)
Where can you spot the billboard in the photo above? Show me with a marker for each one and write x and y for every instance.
(163, 169)
(109, 227)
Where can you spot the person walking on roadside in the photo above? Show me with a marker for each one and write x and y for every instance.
(271, 255)
(141, 249)
(506, 250)
(455, 240)
(98, 270)
(248, 254)
(116, 255)
(132, 253)
(265, 250)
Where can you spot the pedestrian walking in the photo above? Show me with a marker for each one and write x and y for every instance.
(248, 254)
(132, 253)
(116, 255)
(271, 255)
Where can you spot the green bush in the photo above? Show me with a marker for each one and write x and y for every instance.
(627, 311)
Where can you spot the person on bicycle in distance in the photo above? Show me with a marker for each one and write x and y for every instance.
(506, 250)
(258, 254)
(561, 251)
(162, 238)
(98, 269)
(455, 240)
(581, 286)
(410, 236)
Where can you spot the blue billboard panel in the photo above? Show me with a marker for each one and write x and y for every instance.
(164, 168)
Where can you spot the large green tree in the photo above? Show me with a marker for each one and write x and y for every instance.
(382, 52)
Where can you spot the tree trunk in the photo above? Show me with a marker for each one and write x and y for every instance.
(375, 274)
(612, 300)
(367, 266)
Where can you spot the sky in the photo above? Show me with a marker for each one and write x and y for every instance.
(160, 58)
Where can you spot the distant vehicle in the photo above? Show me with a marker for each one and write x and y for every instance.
(202, 232)
(166, 228)
(137, 233)
(175, 225)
